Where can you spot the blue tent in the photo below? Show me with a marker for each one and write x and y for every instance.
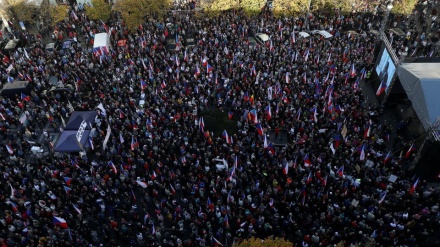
(71, 141)
(81, 117)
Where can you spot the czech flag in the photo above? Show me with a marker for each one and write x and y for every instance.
(309, 178)
(10, 151)
(67, 180)
(14, 207)
(60, 222)
(382, 88)
(67, 189)
(286, 169)
(143, 84)
(25, 97)
(209, 68)
(110, 163)
(134, 143)
(352, 71)
(341, 171)
(226, 136)
(387, 158)
(307, 162)
(230, 115)
(268, 113)
(259, 129)
(414, 187)
(271, 148)
(410, 151)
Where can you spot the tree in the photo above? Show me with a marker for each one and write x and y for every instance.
(20, 10)
(331, 5)
(287, 7)
(100, 10)
(252, 7)
(134, 11)
(58, 13)
(404, 7)
(269, 242)
(214, 7)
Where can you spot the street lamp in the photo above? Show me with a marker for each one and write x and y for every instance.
(306, 22)
(385, 19)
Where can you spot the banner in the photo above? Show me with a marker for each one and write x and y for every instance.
(107, 136)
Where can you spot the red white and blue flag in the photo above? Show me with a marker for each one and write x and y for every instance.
(112, 166)
(307, 162)
(10, 151)
(209, 68)
(58, 221)
(414, 186)
(411, 149)
(67, 180)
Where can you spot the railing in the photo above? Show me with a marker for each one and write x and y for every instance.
(390, 49)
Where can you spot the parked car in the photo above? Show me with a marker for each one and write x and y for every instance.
(261, 38)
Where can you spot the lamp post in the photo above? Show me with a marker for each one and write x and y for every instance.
(385, 19)
(306, 22)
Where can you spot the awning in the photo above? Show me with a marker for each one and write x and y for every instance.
(71, 141)
(421, 82)
(81, 119)
(397, 31)
(304, 34)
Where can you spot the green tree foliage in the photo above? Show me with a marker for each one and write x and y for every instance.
(20, 10)
(289, 8)
(100, 10)
(134, 11)
(269, 242)
(58, 13)
(252, 7)
(404, 7)
(331, 5)
(214, 7)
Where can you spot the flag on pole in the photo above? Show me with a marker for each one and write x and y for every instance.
(381, 89)
(202, 124)
(352, 71)
(286, 169)
(414, 186)
(10, 151)
(387, 158)
(411, 149)
(268, 113)
(309, 178)
(112, 166)
(67, 180)
(76, 209)
(382, 198)
(307, 162)
(67, 189)
(60, 222)
(362, 155)
(340, 171)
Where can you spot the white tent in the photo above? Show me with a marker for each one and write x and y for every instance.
(101, 44)
(421, 82)
(323, 33)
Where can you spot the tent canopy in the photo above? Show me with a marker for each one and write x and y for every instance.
(421, 82)
(79, 118)
(71, 141)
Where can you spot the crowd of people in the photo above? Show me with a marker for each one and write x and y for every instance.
(165, 179)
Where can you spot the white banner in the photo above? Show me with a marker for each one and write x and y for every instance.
(107, 136)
